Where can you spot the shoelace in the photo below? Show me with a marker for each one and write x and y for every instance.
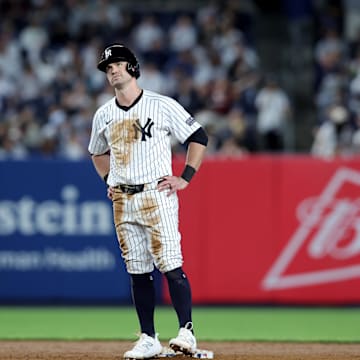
(186, 335)
(143, 343)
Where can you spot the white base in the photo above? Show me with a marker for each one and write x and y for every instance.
(198, 354)
(169, 353)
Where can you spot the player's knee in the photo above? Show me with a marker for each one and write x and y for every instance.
(141, 279)
(177, 279)
(176, 274)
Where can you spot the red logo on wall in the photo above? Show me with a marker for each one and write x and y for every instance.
(326, 246)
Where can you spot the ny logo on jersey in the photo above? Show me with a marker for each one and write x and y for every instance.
(145, 131)
(107, 53)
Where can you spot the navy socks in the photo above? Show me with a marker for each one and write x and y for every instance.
(143, 293)
(180, 293)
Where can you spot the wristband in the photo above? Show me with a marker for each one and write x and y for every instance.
(188, 173)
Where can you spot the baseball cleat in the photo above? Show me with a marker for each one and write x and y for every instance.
(146, 347)
(185, 342)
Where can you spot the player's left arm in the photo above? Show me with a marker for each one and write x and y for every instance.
(196, 148)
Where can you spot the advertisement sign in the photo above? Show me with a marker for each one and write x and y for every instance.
(273, 229)
(57, 239)
(258, 229)
(320, 254)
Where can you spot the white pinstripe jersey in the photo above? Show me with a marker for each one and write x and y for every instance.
(139, 137)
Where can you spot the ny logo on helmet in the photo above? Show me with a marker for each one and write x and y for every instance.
(107, 53)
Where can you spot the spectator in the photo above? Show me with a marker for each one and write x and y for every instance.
(355, 141)
(182, 34)
(10, 53)
(146, 34)
(152, 79)
(274, 112)
(232, 139)
(221, 96)
(230, 147)
(335, 135)
(33, 37)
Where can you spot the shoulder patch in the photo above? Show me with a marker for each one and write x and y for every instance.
(190, 121)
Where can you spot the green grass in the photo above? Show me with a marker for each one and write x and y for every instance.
(211, 323)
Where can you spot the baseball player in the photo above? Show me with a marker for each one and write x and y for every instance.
(130, 145)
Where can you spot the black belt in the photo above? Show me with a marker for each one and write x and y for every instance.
(130, 189)
(133, 189)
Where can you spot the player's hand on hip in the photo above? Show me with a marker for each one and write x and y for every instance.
(110, 192)
(171, 184)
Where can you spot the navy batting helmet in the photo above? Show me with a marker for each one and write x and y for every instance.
(118, 52)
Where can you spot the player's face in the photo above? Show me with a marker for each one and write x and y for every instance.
(117, 74)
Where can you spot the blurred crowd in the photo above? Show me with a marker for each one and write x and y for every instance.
(337, 81)
(205, 58)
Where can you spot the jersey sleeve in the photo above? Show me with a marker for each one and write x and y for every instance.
(98, 144)
(181, 123)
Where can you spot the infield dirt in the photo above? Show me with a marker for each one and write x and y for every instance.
(111, 350)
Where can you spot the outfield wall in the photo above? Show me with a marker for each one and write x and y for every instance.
(261, 229)
(274, 230)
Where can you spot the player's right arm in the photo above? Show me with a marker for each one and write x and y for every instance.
(102, 164)
(99, 148)
(102, 167)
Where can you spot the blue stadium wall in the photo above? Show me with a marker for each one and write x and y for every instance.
(57, 239)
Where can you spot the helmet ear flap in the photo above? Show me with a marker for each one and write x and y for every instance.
(133, 69)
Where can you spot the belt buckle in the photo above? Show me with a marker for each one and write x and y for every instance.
(126, 189)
